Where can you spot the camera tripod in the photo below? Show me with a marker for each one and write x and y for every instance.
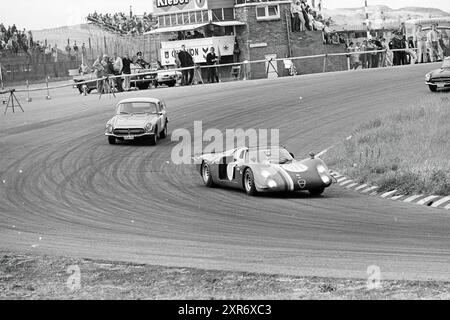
(107, 88)
(10, 104)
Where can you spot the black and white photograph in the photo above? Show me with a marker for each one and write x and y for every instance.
(247, 152)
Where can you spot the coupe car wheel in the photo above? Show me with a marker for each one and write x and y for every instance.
(206, 174)
(317, 192)
(152, 139)
(249, 183)
(165, 133)
(432, 88)
(112, 140)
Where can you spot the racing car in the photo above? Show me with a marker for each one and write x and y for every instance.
(264, 169)
(138, 119)
(439, 78)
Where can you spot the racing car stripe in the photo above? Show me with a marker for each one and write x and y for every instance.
(287, 178)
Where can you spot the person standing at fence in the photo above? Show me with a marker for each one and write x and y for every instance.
(211, 60)
(363, 56)
(396, 45)
(433, 39)
(421, 38)
(387, 56)
(305, 9)
(186, 61)
(118, 68)
(296, 11)
(126, 61)
(140, 60)
(99, 70)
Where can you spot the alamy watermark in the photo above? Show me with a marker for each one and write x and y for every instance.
(193, 144)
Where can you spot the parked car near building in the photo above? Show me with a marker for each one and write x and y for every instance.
(139, 81)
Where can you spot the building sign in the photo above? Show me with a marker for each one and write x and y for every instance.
(171, 6)
(198, 48)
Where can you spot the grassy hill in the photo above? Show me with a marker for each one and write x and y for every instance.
(380, 15)
(97, 37)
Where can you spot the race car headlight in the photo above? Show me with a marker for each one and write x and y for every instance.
(148, 127)
(428, 77)
(323, 173)
(265, 174)
(271, 184)
(321, 169)
(109, 128)
(326, 179)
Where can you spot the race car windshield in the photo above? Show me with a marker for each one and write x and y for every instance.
(275, 156)
(137, 108)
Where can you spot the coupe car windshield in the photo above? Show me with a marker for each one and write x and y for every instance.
(273, 155)
(137, 108)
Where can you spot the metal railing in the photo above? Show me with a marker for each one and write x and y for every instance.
(243, 65)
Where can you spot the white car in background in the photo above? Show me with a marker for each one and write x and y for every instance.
(166, 76)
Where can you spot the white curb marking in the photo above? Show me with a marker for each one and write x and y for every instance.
(440, 202)
(390, 193)
(351, 185)
(361, 187)
(346, 182)
(411, 199)
(426, 200)
(370, 189)
(341, 179)
(397, 197)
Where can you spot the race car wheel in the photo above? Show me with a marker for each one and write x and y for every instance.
(317, 192)
(206, 175)
(171, 84)
(112, 140)
(432, 88)
(165, 133)
(249, 183)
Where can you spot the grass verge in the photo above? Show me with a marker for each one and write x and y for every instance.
(42, 277)
(407, 150)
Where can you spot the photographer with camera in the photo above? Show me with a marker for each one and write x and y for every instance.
(211, 60)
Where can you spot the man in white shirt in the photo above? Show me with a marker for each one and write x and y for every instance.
(296, 10)
(118, 67)
(421, 38)
(433, 39)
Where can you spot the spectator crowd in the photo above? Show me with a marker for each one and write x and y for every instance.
(13, 40)
(122, 23)
(428, 47)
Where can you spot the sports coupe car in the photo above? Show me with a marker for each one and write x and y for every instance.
(138, 118)
(439, 78)
(264, 169)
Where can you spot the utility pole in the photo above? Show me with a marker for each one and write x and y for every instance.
(366, 11)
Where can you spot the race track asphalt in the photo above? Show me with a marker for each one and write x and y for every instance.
(65, 191)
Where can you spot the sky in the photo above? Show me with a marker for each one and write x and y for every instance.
(39, 14)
